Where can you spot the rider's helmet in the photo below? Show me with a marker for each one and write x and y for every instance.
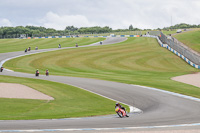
(117, 104)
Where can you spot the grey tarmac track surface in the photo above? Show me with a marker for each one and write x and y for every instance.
(158, 108)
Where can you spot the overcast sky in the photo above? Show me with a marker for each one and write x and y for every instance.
(116, 14)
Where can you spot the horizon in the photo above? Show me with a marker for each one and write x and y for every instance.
(102, 27)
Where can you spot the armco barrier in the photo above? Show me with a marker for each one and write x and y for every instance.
(178, 46)
(174, 51)
(85, 36)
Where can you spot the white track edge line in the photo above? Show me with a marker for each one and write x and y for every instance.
(132, 109)
(100, 129)
(171, 93)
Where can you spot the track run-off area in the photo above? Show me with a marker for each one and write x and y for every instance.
(159, 108)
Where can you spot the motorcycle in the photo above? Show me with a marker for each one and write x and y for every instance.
(1, 69)
(47, 73)
(121, 112)
(37, 73)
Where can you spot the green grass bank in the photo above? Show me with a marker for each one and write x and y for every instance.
(138, 61)
(11, 45)
(191, 39)
(69, 102)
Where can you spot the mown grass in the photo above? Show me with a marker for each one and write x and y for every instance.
(138, 61)
(69, 102)
(11, 45)
(191, 39)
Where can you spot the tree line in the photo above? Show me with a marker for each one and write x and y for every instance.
(181, 26)
(34, 31)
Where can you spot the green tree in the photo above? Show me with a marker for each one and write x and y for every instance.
(130, 27)
(1, 31)
(71, 28)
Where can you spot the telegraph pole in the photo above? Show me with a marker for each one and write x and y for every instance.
(171, 22)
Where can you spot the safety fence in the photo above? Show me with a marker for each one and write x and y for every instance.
(187, 54)
(81, 36)
(68, 34)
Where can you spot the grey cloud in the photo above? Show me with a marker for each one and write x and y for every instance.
(113, 13)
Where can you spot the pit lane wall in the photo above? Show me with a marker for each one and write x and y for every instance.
(174, 51)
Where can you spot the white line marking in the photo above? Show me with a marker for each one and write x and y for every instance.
(100, 129)
(132, 109)
(172, 93)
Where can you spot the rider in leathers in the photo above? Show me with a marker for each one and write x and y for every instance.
(119, 105)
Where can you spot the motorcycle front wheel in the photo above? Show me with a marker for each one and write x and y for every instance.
(120, 114)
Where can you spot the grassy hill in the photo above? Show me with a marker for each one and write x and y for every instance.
(136, 61)
(191, 39)
(11, 45)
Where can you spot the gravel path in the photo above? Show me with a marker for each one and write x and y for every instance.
(11, 90)
(192, 79)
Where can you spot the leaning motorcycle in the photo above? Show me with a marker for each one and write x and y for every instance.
(121, 112)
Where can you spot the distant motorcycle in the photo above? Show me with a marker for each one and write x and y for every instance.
(29, 48)
(37, 73)
(121, 112)
(47, 72)
(1, 69)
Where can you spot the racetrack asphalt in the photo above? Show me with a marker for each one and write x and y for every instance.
(158, 108)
